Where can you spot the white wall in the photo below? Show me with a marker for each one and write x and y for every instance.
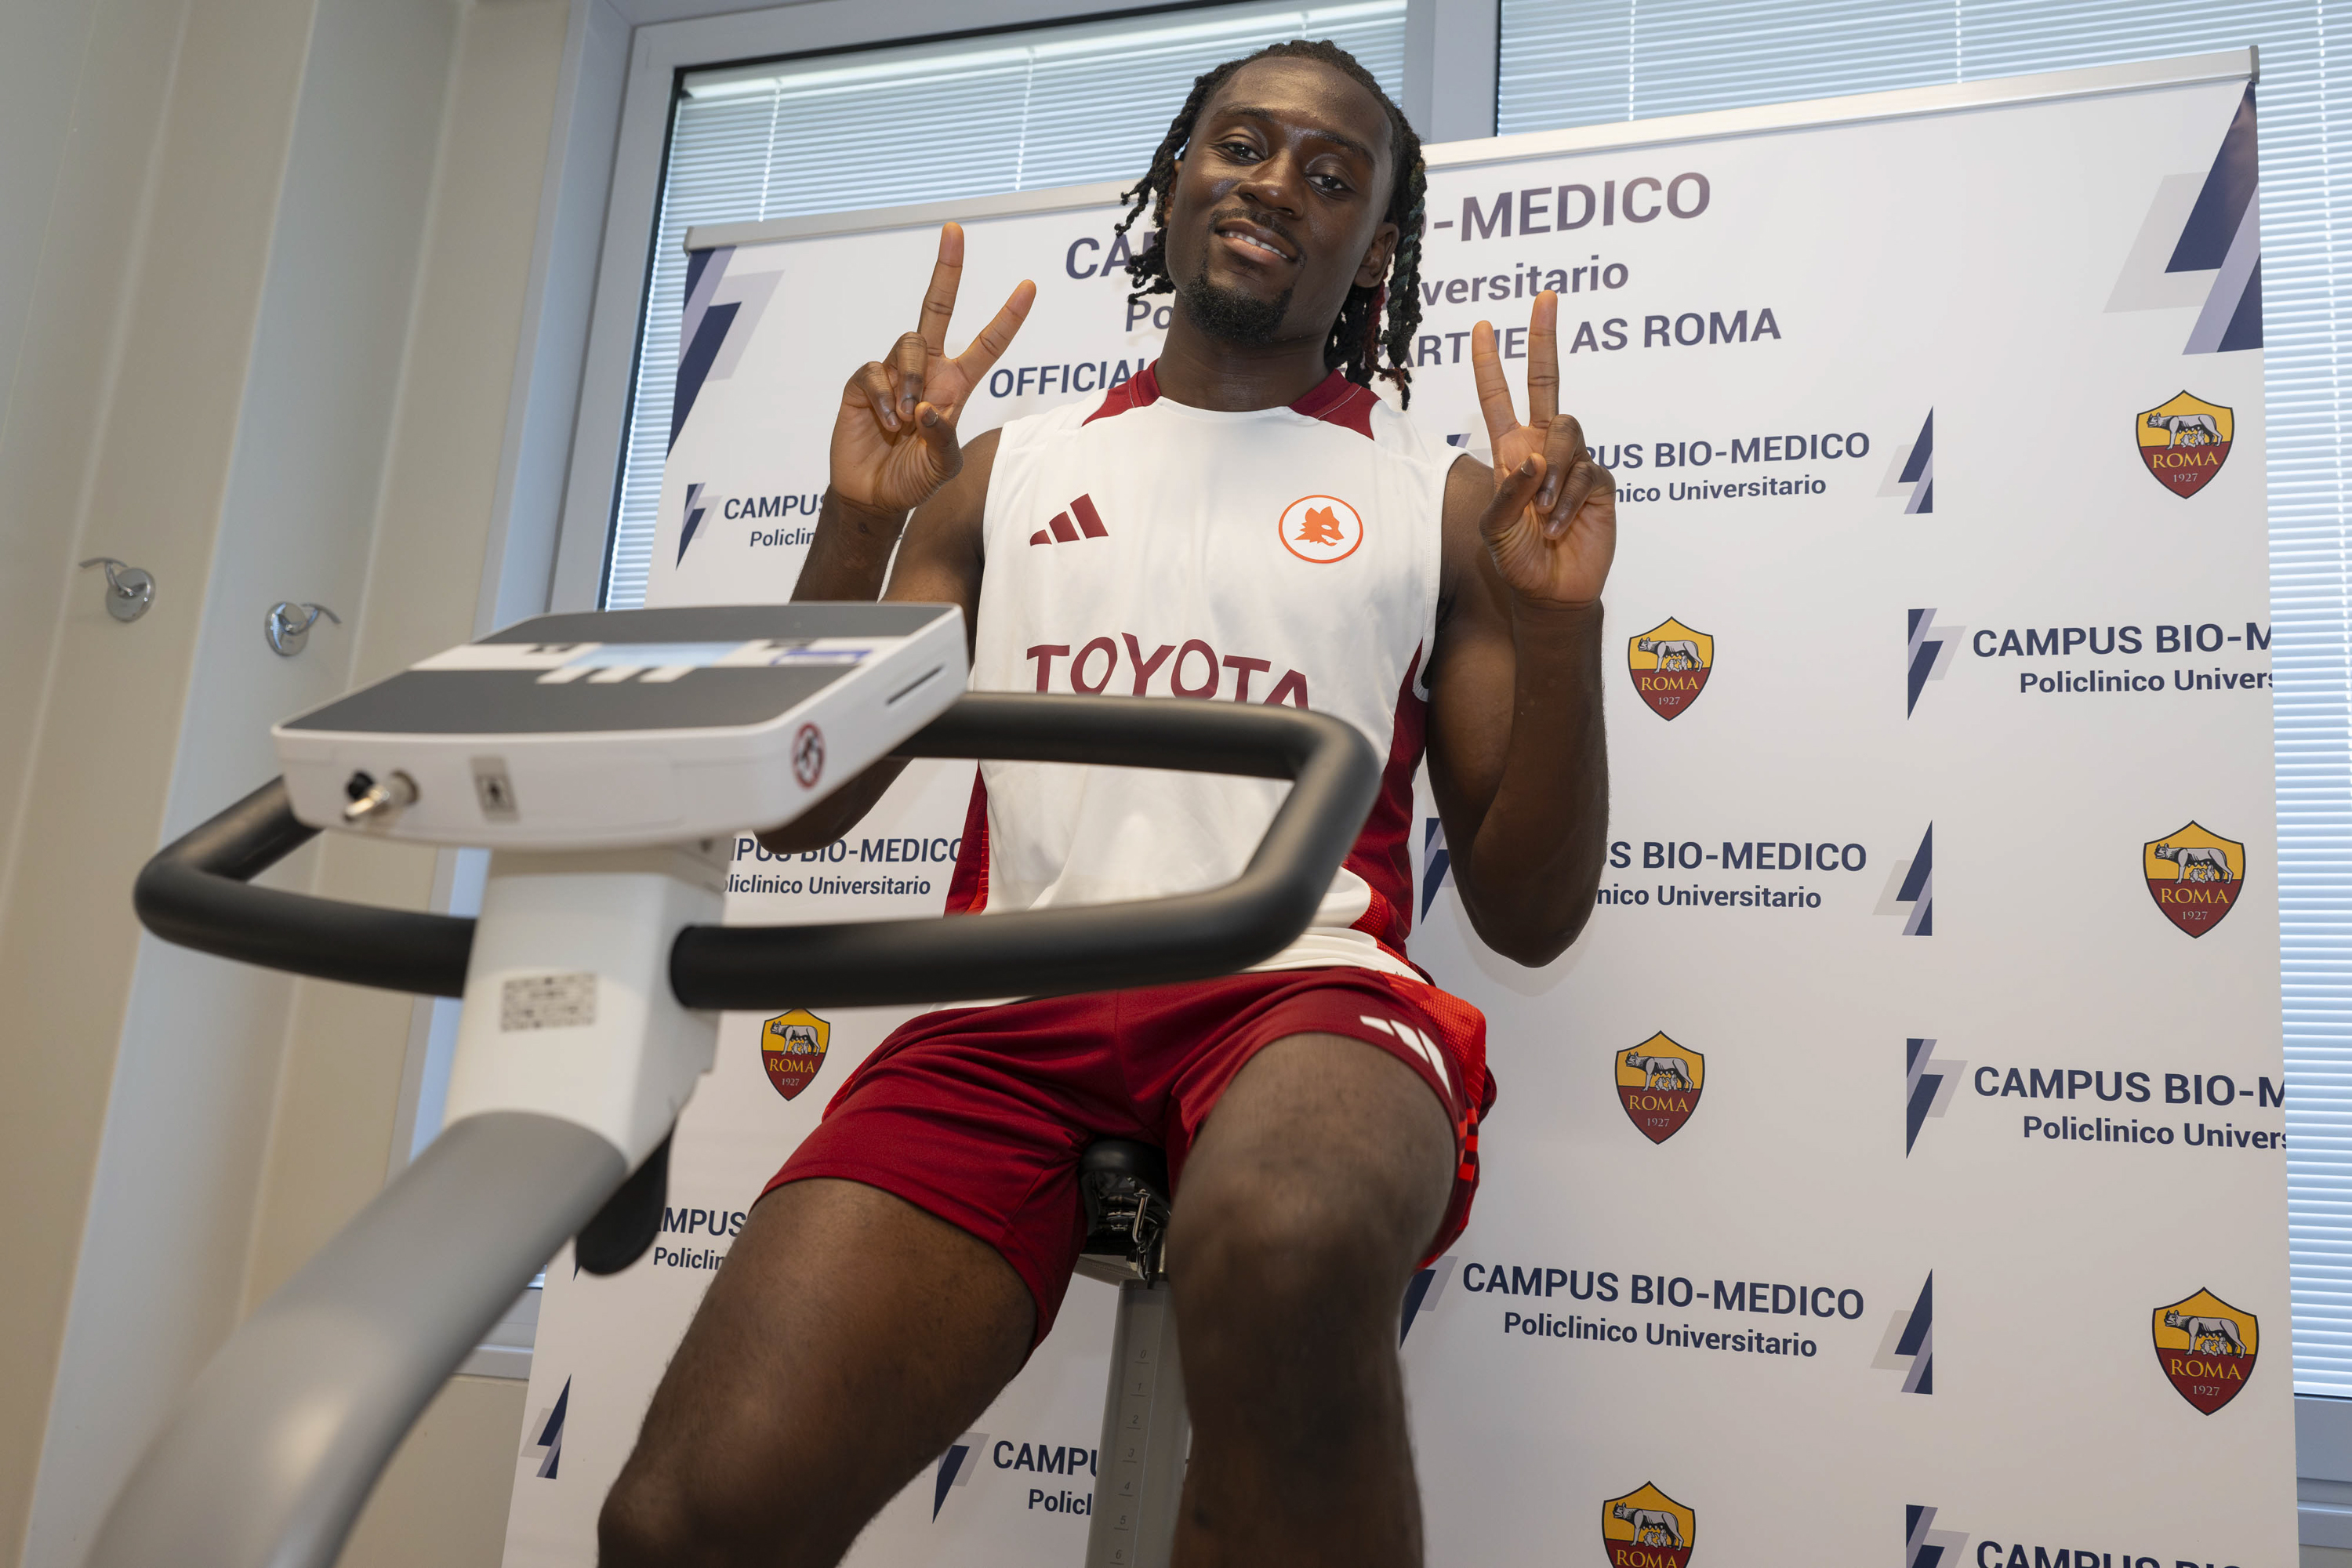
(264, 274)
(122, 409)
(180, 1160)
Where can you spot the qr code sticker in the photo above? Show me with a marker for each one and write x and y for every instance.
(547, 1002)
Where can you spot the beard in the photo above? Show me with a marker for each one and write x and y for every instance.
(1229, 314)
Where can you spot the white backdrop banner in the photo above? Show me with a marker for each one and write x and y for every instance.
(1902, 1141)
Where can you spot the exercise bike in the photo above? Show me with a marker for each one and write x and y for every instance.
(607, 761)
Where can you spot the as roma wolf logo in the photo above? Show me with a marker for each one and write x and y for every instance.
(2195, 877)
(1647, 1528)
(1659, 1082)
(2207, 1349)
(1321, 529)
(791, 1047)
(2184, 442)
(1670, 664)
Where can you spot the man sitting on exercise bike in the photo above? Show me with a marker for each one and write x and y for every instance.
(1244, 521)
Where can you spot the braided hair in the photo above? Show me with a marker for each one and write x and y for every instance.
(1358, 336)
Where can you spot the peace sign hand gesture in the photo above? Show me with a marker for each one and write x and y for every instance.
(1552, 526)
(894, 440)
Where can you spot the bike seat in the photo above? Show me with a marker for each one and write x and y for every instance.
(1123, 1186)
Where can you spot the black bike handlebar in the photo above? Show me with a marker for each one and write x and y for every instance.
(1095, 947)
(194, 893)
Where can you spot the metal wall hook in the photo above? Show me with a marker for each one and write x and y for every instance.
(287, 628)
(129, 589)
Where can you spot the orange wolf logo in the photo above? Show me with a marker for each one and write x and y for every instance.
(1320, 529)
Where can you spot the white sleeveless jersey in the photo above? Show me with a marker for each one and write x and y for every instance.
(1137, 547)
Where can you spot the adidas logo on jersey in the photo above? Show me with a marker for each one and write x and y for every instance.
(1060, 530)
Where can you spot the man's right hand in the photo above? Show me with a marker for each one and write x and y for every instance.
(893, 442)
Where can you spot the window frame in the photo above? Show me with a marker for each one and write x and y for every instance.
(1449, 87)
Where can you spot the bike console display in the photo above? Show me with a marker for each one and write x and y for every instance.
(628, 727)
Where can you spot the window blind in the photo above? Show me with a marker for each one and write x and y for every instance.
(1574, 62)
(1011, 111)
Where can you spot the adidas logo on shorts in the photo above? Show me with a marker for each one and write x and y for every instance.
(1421, 1044)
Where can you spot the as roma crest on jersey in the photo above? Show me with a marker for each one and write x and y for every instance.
(1647, 1528)
(1321, 529)
(1670, 664)
(791, 1047)
(2195, 877)
(1659, 1083)
(2207, 1349)
(2184, 442)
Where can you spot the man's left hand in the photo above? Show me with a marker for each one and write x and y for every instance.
(1552, 526)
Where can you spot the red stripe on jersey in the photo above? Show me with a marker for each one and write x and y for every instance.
(968, 888)
(1090, 522)
(1138, 389)
(1383, 854)
(1335, 400)
(1060, 523)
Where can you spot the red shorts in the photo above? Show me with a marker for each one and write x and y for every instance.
(979, 1114)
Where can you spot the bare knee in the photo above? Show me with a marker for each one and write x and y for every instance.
(1287, 1314)
(643, 1524)
(1316, 1182)
(654, 1519)
(794, 1409)
(1282, 1252)
(649, 1520)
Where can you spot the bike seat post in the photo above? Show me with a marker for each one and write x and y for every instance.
(1146, 1430)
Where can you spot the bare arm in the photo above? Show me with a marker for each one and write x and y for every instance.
(895, 449)
(1517, 754)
